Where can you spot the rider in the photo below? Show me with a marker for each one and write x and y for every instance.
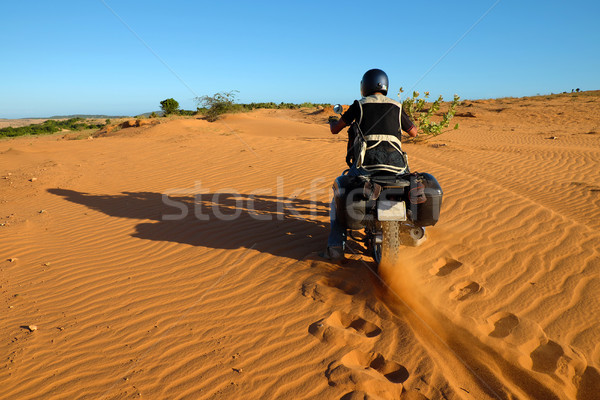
(373, 113)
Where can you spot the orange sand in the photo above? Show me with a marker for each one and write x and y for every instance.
(129, 300)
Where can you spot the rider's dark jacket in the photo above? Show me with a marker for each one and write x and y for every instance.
(375, 114)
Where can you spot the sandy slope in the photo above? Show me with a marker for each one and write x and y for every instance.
(218, 293)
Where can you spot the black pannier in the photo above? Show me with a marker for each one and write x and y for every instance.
(424, 199)
(350, 201)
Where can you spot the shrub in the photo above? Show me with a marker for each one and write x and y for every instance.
(169, 106)
(421, 116)
(218, 104)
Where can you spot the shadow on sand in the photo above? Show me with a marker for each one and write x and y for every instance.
(284, 227)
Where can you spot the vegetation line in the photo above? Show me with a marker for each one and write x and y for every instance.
(48, 127)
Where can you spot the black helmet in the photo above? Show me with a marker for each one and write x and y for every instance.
(374, 80)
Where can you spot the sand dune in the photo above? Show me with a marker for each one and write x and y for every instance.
(217, 293)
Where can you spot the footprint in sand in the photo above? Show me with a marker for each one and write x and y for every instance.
(326, 289)
(546, 357)
(369, 373)
(444, 266)
(341, 329)
(358, 395)
(589, 385)
(363, 375)
(342, 285)
(355, 396)
(568, 365)
(504, 323)
(464, 290)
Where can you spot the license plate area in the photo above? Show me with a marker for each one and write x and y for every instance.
(388, 210)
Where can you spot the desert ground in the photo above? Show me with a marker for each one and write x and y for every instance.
(179, 261)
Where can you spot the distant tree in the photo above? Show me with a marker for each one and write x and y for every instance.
(169, 106)
(577, 90)
(153, 115)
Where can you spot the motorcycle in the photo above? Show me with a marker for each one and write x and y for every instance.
(392, 207)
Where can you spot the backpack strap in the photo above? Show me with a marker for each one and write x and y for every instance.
(361, 112)
(358, 130)
(357, 137)
(388, 141)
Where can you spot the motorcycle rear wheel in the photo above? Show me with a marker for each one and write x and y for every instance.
(390, 246)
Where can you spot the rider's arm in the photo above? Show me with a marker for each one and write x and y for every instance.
(337, 127)
(413, 131)
(347, 118)
(406, 122)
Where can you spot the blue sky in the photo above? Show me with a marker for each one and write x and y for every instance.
(68, 57)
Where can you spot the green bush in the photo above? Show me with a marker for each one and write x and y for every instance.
(218, 104)
(416, 109)
(169, 106)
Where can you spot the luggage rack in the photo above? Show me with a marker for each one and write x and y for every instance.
(391, 181)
